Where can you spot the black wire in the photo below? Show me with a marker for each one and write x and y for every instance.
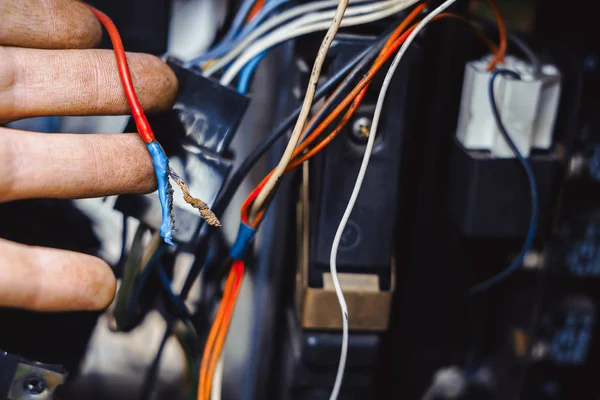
(516, 264)
(124, 236)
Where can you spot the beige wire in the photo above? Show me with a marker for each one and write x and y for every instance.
(306, 106)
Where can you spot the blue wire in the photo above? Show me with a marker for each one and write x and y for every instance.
(238, 20)
(533, 222)
(176, 300)
(247, 71)
(230, 41)
(161, 166)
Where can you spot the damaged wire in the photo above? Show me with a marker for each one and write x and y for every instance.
(200, 205)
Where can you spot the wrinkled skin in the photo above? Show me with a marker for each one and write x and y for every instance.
(48, 66)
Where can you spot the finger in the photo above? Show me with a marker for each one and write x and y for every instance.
(78, 82)
(72, 166)
(43, 279)
(48, 24)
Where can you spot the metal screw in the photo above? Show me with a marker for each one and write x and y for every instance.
(361, 128)
(34, 385)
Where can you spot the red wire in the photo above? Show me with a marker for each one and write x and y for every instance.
(251, 198)
(136, 108)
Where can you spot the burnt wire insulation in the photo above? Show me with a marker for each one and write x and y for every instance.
(198, 204)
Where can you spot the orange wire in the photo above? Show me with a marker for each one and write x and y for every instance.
(501, 33)
(310, 154)
(403, 25)
(238, 270)
(214, 330)
(255, 9)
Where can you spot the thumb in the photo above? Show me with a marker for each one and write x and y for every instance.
(43, 279)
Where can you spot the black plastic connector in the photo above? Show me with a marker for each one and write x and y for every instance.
(489, 197)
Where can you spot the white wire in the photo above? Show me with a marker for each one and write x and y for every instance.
(270, 24)
(357, 186)
(284, 33)
(351, 11)
(304, 111)
(217, 382)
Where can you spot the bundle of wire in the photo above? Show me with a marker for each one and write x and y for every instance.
(254, 44)
(242, 45)
(220, 325)
(351, 102)
(301, 152)
(303, 136)
(159, 159)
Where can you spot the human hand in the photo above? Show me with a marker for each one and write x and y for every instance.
(48, 67)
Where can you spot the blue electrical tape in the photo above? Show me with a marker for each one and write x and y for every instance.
(244, 237)
(160, 161)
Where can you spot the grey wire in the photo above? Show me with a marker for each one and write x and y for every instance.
(528, 52)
